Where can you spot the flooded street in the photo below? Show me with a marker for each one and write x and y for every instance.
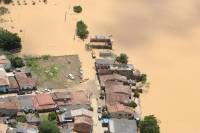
(162, 38)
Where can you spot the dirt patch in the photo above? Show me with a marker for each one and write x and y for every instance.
(52, 71)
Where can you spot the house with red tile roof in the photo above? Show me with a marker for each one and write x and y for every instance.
(83, 124)
(4, 82)
(43, 103)
(120, 111)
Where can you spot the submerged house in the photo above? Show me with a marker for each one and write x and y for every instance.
(101, 42)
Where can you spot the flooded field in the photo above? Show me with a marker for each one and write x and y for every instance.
(160, 37)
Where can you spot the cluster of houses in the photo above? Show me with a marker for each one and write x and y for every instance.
(18, 81)
(118, 83)
(71, 108)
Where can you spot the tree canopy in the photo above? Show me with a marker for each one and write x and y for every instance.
(7, 1)
(132, 104)
(77, 9)
(48, 127)
(149, 125)
(52, 116)
(9, 41)
(17, 62)
(81, 30)
(122, 58)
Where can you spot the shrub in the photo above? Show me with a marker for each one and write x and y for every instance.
(81, 30)
(77, 9)
(7, 1)
(48, 127)
(91, 108)
(17, 62)
(149, 125)
(132, 104)
(21, 118)
(52, 116)
(136, 94)
(3, 10)
(143, 78)
(122, 58)
(9, 41)
(45, 57)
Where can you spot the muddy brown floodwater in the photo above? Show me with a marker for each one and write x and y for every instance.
(162, 38)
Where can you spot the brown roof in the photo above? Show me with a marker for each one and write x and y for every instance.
(114, 98)
(119, 108)
(117, 87)
(61, 95)
(23, 80)
(83, 119)
(43, 101)
(79, 97)
(110, 77)
(13, 83)
(83, 124)
(10, 103)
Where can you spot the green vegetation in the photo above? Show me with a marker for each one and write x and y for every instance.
(81, 30)
(149, 125)
(3, 10)
(132, 104)
(52, 116)
(136, 94)
(122, 58)
(77, 9)
(143, 78)
(91, 108)
(21, 118)
(17, 62)
(7, 1)
(9, 41)
(48, 127)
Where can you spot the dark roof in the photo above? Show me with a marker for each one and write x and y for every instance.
(23, 80)
(104, 61)
(61, 95)
(122, 126)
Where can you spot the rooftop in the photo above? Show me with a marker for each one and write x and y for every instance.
(23, 80)
(117, 87)
(104, 61)
(119, 108)
(81, 112)
(43, 101)
(122, 126)
(3, 128)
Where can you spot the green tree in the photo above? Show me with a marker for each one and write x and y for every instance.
(52, 116)
(143, 78)
(17, 62)
(9, 41)
(48, 127)
(149, 125)
(7, 1)
(136, 94)
(122, 58)
(132, 104)
(77, 9)
(81, 30)
(21, 118)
